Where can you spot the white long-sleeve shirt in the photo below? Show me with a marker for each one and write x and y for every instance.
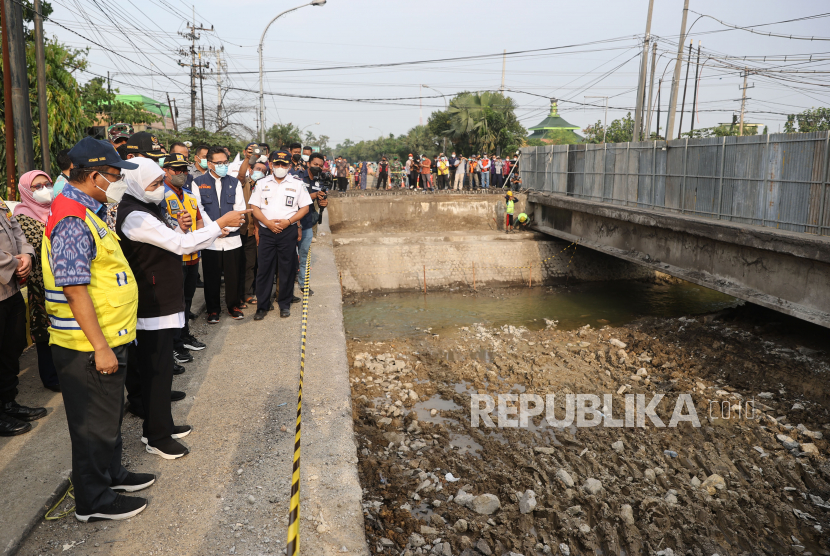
(222, 243)
(144, 228)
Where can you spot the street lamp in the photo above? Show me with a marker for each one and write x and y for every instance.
(445, 106)
(261, 40)
(377, 128)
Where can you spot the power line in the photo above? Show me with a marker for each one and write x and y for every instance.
(779, 35)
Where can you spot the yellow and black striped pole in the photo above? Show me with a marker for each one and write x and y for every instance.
(293, 547)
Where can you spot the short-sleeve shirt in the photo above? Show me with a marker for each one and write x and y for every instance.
(279, 201)
(73, 246)
(425, 164)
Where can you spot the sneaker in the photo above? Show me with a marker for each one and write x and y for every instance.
(213, 318)
(168, 448)
(135, 482)
(123, 507)
(236, 314)
(178, 432)
(193, 344)
(182, 356)
(178, 369)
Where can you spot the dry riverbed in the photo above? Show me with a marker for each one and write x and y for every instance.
(755, 483)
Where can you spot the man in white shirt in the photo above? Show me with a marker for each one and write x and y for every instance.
(218, 193)
(279, 202)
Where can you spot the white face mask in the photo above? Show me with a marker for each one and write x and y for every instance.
(280, 172)
(115, 191)
(43, 195)
(156, 196)
(306, 157)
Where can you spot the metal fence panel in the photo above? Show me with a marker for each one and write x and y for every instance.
(776, 181)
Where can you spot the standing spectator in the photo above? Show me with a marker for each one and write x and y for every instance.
(383, 174)
(493, 170)
(425, 173)
(92, 303)
(364, 175)
(65, 165)
(498, 168)
(443, 173)
(452, 167)
(505, 171)
(342, 166)
(35, 189)
(484, 166)
(279, 202)
(251, 240)
(408, 171)
(200, 165)
(307, 222)
(220, 194)
(472, 171)
(397, 173)
(460, 170)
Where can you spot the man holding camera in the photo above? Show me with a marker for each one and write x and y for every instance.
(317, 183)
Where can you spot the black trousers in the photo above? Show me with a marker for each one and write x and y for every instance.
(382, 181)
(213, 263)
(342, 183)
(249, 247)
(276, 252)
(155, 366)
(191, 276)
(451, 182)
(133, 380)
(45, 365)
(12, 344)
(442, 181)
(93, 403)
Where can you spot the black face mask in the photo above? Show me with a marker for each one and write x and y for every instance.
(314, 171)
(296, 157)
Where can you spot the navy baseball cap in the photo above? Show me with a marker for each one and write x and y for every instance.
(90, 152)
(280, 156)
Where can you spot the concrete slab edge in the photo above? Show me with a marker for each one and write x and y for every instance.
(15, 542)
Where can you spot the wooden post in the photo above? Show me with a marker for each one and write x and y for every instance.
(425, 279)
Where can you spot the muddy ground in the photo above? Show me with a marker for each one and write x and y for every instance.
(750, 484)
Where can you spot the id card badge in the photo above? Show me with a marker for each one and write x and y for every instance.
(289, 201)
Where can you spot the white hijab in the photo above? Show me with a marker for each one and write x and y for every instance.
(137, 180)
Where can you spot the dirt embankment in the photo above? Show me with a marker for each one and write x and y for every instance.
(750, 484)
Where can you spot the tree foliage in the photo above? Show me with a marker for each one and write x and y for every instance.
(812, 119)
(280, 135)
(619, 131)
(97, 103)
(198, 136)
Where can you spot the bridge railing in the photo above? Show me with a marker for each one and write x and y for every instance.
(778, 181)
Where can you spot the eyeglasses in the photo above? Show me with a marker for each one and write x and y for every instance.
(119, 176)
(40, 186)
(219, 162)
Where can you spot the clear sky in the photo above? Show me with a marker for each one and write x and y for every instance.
(593, 50)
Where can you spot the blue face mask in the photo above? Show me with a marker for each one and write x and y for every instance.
(221, 170)
(203, 164)
(161, 162)
(256, 176)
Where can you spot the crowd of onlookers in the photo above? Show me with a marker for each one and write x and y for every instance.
(422, 173)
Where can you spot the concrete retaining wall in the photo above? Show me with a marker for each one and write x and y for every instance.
(384, 262)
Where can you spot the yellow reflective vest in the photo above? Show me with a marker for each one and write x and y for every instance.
(112, 286)
(175, 206)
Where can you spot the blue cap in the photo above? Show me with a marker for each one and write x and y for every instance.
(280, 156)
(92, 152)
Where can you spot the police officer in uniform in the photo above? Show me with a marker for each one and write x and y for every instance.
(279, 202)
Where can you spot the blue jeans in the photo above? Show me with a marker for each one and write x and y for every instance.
(303, 246)
(485, 179)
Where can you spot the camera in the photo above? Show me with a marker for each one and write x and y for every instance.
(326, 181)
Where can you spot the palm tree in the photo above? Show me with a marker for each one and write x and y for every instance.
(472, 118)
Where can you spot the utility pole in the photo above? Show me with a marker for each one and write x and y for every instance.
(659, 86)
(175, 116)
(694, 101)
(641, 81)
(7, 102)
(504, 66)
(650, 91)
(219, 87)
(685, 84)
(743, 102)
(172, 114)
(21, 110)
(193, 37)
(675, 84)
(202, 88)
(42, 105)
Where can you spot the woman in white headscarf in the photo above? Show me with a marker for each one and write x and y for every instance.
(154, 244)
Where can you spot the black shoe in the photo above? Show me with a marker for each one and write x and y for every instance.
(178, 369)
(14, 409)
(178, 432)
(53, 387)
(260, 314)
(213, 318)
(9, 426)
(199, 283)
(193, 344)
(135, 482)
(285, 313)
(182, 356)
(271, 307)
(236, 314)
(167, 448)
(177, 395)
(123, 507)
(295, 299)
